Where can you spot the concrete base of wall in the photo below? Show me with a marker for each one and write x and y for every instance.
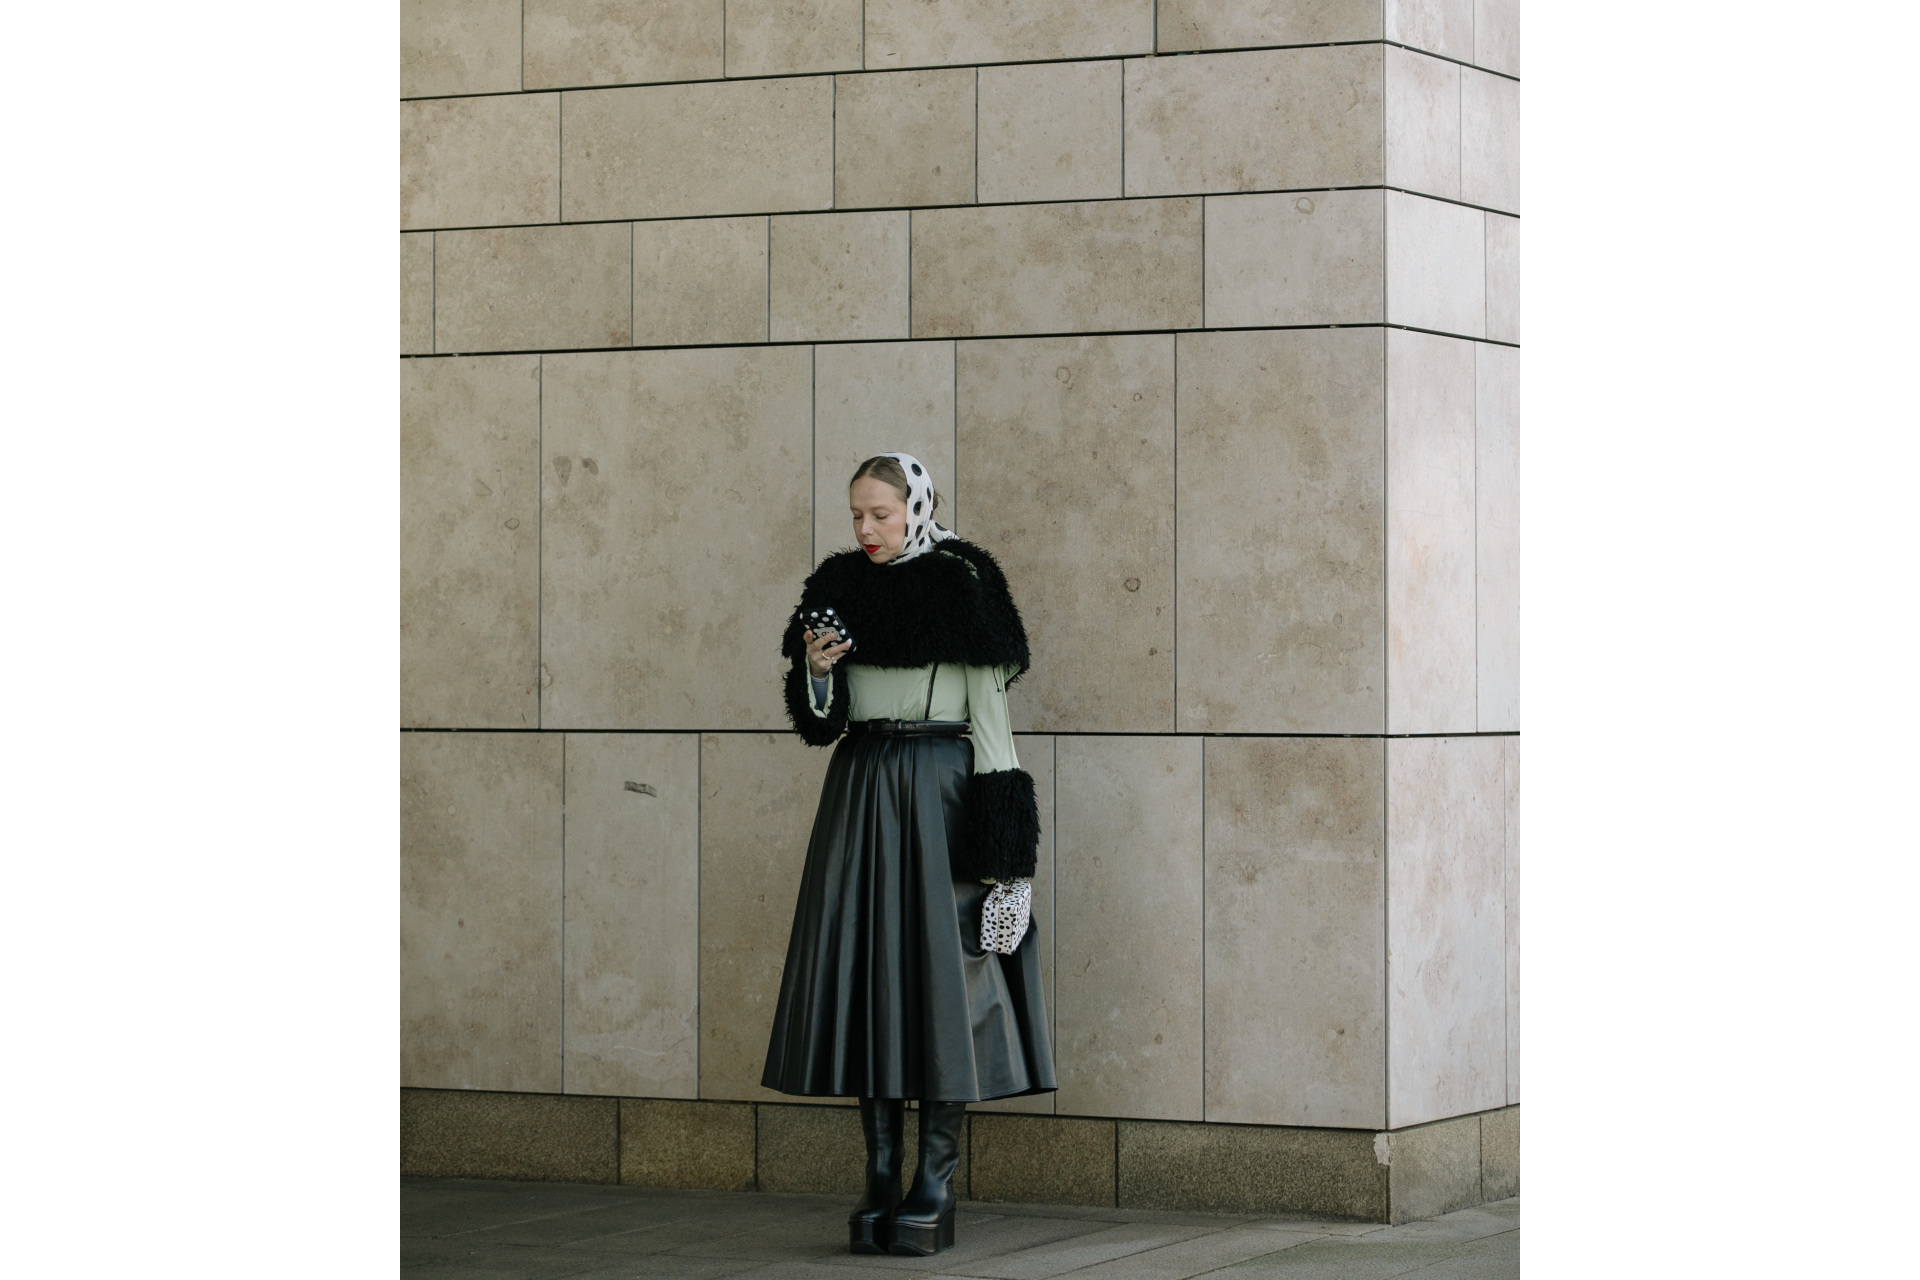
(1386, 1176)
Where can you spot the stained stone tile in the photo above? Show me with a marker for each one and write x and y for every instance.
(838, 277)
(675, 534)
(1496, 35)
(1202, 1254)
(1036, 752)
(878, 397)
(1095, 1253)
(1241, 24)
(453, 1133)
(1065, 453)
(1436, 1168)
(1510, 775)
(1129, 963)
(758, 793)
(1282, 507)
(699, 280)
(1500, 1154)
(522, 288)
(1296, 879)
(1490, 140)
(416, 293)
(480, 911)
(459, 46)
(1431, 666)
(1503, 278)
(1422, 123)
(821, 1149)
(1436, 265)
(792, 37)
(1445, 903)
(1312, 258)
(903, 137)
(1050, 131)
(1299, 118)
(469, 542)
(686, 1145)
(633, 924)
(692, 150)
(587, 42)
(1444, 27)
(925, 33)
(1496, 498)
(473, 162)
(1217, 1168)
(1057, 268)
(1043, 1159)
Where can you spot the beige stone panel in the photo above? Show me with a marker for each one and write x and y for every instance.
(1057, 268)
(686, 1146)
(1496, 35)
(758, 794)
(871, 398)
(1282, 512)
(1043, 1161)
(1444, 27)
(1066, 457)
(1242, 24)
(695, 150)
(480, 911)
(1436, 1168)
(903, 137)
(792, 37)
(1296, 877)
(480, 162)
(1050, 131)
(1256, 121)
(1129, 955)
(469, 542)
(416, 293)
(1510, 772)
(521, 288)
(675, 534)
(1436, 265)
(1207, 1168)
(1489, 140)
(459, 46)
(453, 1133)
(838, 277)
(930, 33)
(585, 42)
(1431, 667)
(1500, 1154)
(1422, 123)
(1312, 258)
(699, 280)
(1503, 278)
(633, 914)
(1496, 500)
(1446, 979)
(1036, 752)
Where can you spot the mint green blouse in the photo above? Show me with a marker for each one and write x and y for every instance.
(975, 694)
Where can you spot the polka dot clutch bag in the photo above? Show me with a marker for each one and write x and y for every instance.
(1004, 916)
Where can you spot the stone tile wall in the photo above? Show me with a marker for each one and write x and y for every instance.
(1205, 312)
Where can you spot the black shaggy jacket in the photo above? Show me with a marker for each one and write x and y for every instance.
(950, 605)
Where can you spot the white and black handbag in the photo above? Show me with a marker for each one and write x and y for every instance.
(1005, 915)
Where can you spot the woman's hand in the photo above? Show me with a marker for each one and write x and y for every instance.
(824, 648)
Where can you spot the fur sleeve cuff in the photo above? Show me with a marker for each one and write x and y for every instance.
(814, 729)
(1000, 829)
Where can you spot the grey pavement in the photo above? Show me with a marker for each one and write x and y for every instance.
(536, 1230)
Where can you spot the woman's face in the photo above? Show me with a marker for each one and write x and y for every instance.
(879, 518)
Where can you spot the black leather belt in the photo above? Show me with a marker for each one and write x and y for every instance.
(915, 728)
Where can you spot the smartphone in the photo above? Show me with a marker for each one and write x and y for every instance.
(819, 620)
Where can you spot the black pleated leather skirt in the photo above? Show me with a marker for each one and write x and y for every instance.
(887, 992)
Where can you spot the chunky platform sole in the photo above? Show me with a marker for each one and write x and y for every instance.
(867, 1235)
(920, 1242)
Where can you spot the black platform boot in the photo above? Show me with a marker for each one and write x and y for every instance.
(883, 1120)
(923, 1223)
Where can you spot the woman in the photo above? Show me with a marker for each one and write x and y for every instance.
(888, 993)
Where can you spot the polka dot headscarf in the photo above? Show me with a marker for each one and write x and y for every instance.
(923, 531)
